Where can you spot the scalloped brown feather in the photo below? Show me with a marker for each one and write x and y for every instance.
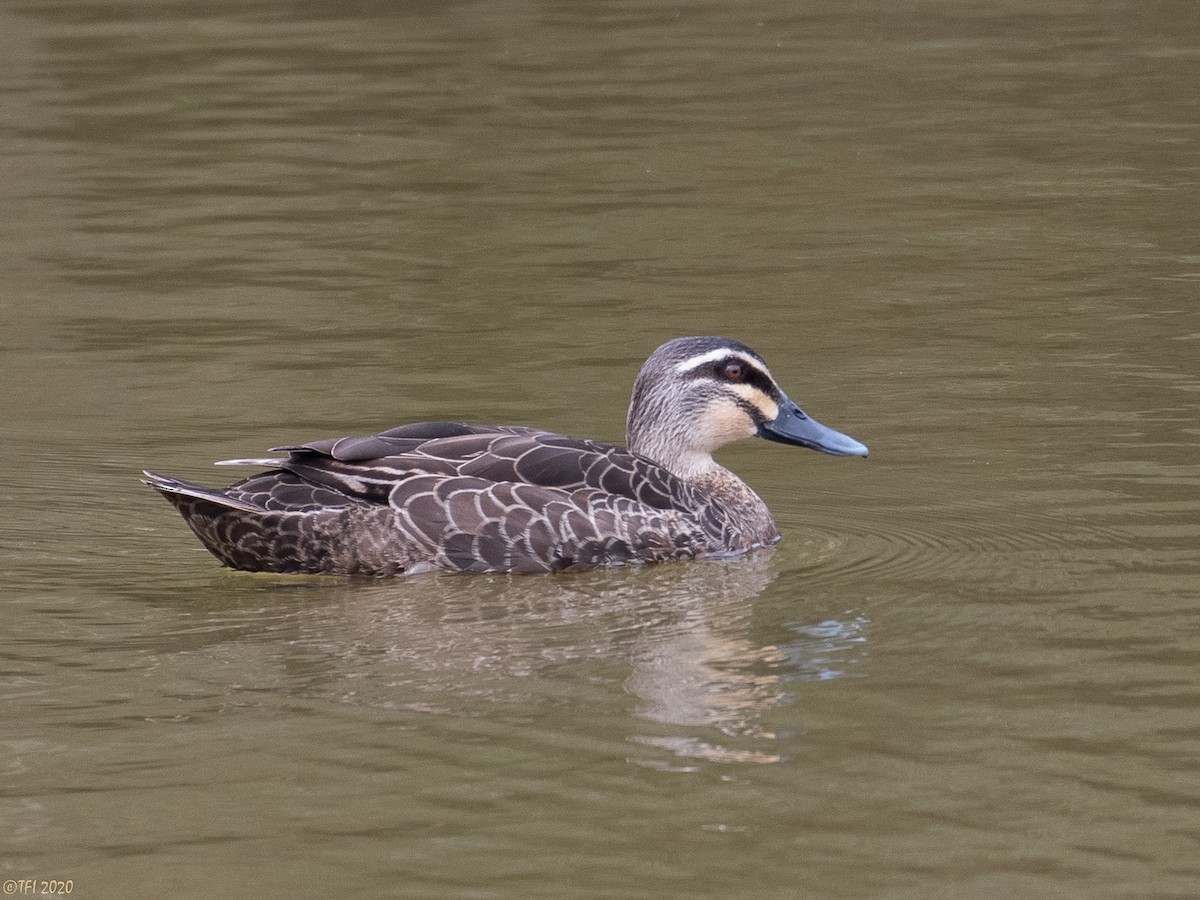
(459, 498)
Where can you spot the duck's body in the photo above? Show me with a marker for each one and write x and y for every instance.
(466, 498)
(476, 498)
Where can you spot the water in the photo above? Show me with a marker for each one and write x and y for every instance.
(963, 234)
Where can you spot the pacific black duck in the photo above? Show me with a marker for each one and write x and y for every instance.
(455, 497)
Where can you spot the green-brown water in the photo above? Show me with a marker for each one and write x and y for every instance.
(964, 233)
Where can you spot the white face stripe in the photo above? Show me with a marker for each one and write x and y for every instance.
(712, 356)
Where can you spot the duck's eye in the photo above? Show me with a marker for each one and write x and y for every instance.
(734, 371)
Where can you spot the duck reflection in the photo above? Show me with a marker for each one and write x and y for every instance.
(702, 669)
(683, 649)
(715, 670)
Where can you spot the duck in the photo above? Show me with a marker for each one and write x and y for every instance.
(463, 498)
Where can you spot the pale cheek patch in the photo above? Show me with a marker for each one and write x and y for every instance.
(769, 408)
(725, 421)
(764, 404)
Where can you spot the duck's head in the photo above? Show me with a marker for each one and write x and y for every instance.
(695, 394)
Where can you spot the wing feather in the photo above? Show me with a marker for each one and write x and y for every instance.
(369, 467)
(489, 498)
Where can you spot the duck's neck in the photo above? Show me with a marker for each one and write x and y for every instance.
(745, 520)
(691, 467)
(745, 508)
(672, 453)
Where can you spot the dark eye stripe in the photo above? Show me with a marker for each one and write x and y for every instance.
(755, 414)
(751, 375)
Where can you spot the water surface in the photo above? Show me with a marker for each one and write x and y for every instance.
(965, 234)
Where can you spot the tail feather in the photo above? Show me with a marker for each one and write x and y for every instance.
(175, 490)
(349, 539)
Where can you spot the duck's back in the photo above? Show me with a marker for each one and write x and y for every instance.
(372, 466)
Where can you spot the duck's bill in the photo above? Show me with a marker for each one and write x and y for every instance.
(793, 426)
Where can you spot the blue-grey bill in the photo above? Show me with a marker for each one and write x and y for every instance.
(794, 426)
